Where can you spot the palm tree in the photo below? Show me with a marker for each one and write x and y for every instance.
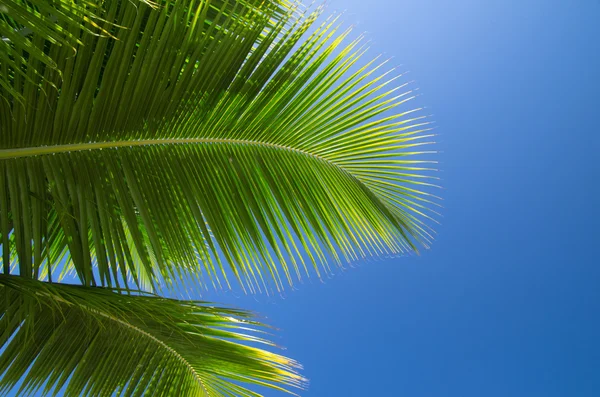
(151, 148)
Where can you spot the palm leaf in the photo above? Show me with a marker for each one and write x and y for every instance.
(143, 144)
(93, 341)
(26, 25)
(207, 140)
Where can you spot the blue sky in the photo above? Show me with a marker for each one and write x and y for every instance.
(507, 301)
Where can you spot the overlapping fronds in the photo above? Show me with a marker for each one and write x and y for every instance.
(145, 143)
(208, 136)
(85, 341)
(26, 25)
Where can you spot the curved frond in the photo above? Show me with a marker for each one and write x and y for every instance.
(86, 341)
(208, 136)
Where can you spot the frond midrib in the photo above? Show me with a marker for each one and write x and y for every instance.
(6, 154)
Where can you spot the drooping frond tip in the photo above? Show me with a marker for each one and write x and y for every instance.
(205, 141)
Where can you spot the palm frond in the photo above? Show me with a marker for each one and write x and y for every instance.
(208, 136)
(26, 26)
(86, 341)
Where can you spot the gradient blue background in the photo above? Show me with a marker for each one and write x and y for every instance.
(507, 301)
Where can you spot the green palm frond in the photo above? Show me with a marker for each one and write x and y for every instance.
(148, 143)
(92, 341)
(208, 136)
(26, 25)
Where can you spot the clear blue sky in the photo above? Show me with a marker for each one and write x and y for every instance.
(507, 302)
